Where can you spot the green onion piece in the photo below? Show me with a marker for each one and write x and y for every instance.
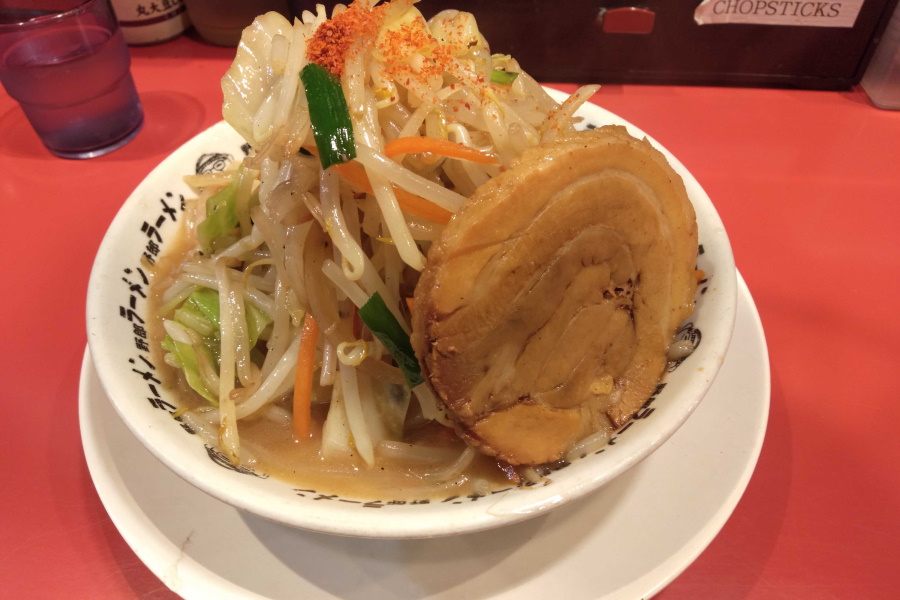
(384, 326)
(503, 77)
(328, 115)
(221, 218)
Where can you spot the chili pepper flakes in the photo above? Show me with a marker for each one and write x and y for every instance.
(409, 38)
(333, 40)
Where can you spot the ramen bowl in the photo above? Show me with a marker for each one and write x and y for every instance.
(117, 319)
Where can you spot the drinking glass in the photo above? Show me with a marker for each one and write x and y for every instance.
(67, 65)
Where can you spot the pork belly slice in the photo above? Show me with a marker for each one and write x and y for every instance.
(549, 301)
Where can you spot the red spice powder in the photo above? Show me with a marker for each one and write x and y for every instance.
(410, 38)
(334, 38)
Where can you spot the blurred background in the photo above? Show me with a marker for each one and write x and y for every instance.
(822, 45)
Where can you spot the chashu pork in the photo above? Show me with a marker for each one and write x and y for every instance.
(549, 301)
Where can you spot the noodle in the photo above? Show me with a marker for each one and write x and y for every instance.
(412, 452)
(350, 288)
(258, 298)
(329, 364)
(278, 338)
(560, 119)
(266, 392)
(352, 353)
(355, 417)
(590, 444)
(375, 162)
(401, 237)
(337, 228)
(244, 245)
(228, 436)
(456, 469)
(245, 368)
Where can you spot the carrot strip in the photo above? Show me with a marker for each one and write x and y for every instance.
(420, 144)
(303, 378)
(355, 174)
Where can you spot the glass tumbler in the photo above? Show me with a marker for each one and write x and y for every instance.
(67, 65)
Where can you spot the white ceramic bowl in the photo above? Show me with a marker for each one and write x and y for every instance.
(117, 310)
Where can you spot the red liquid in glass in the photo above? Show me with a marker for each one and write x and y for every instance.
(75, 87)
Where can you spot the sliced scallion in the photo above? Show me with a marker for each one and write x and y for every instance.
(503, 77)
(384, 326)
(329, 115)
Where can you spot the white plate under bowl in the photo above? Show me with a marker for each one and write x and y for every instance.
(117, 313)
(626, 541)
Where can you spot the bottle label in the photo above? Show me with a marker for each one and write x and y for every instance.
(803, 13)
(139, 14)
(150, 21)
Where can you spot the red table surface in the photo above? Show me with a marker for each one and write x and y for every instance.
(808, 188)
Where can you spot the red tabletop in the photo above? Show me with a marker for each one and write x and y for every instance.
(808, 188)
